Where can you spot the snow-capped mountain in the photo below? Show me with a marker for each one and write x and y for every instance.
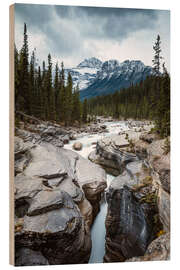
(85, 73)
(97, 78)
(90, 63)
(114, 76)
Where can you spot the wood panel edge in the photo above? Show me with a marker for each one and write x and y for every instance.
(11, 135)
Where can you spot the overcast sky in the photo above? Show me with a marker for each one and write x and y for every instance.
(71, 34)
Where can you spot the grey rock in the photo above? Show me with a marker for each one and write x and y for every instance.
(26, 189)
(130, 224)
(29, 257)
(158, 250)
(127, 229)
(148, 137)
(164, 208)
(77, 146)
(59, 234)
(112, 155)
(22, 155)
(47, 200)
(65, 139)
(72, 136)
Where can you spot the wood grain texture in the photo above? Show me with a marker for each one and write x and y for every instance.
(11, 134)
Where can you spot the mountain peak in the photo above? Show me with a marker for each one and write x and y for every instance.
(90, 63)
(110, 65)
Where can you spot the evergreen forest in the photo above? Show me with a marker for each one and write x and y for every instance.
(50, 97)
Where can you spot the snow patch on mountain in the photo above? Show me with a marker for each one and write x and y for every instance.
(96, 76)
(85, 72)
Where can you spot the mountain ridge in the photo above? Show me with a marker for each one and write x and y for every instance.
(100, 78)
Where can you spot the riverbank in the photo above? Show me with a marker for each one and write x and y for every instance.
(47, 168)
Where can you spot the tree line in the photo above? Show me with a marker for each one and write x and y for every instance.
(150, 99)
(40, 94)
(53, 97)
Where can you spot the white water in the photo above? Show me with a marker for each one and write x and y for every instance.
(88, 140)
(98, 231)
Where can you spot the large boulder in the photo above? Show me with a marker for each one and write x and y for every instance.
(54, 210)
(55, 227)
(132, 219)
(77, 146)
(157, 156)
(111, 154)
(22, 154)
(159, 162)
(127, 229)
(93, 183)
(28, 257)
(148, 137)
(158, 250)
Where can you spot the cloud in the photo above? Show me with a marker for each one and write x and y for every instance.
(74, 32)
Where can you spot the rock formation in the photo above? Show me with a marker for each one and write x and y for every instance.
(139, 197)
(55, 203)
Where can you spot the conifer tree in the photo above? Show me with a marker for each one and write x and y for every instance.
(84, 111)
(43, 92)
(155, 96)
(50, 92)
(56, 84)
(32, 89)
(157, 56)
(24, 75)
(76, 111)
(68, 100)
(163, 106)
(39, 95)
(17, 78)
(61, 96)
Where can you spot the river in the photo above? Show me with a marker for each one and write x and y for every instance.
(98, 231)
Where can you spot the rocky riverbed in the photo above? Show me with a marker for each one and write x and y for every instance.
(63, 192)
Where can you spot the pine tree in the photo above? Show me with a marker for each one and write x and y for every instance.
(61, 99)
(68, 100)
(56, 87)
(32, 89)
(16, 78)
(163, 109)
(155, 96)
(50, 92)
(76, 110)
(84, 111)
(43, 92)
(39, 111)
(157, 56)
(24, 75)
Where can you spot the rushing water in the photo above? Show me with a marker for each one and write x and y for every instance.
(98, 231)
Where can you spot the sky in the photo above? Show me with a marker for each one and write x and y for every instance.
(71, 34)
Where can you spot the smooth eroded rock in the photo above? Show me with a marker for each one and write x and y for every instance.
(77, 146)
(111, 154)
(127, 229)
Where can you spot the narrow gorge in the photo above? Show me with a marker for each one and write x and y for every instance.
(107, 201)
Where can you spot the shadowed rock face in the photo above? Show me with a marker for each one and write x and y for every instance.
(29, 257)
(128, 232)
(57, 233)
(132, 207)
(159, 163)
(158, 250)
